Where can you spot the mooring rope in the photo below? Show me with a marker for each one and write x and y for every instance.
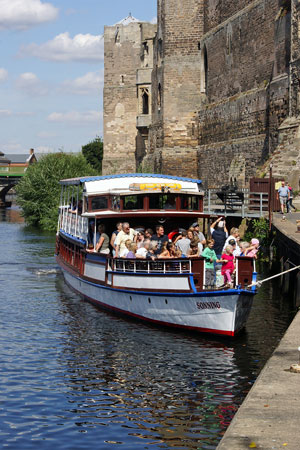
(260, 282)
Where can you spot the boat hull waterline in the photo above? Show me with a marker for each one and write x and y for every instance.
(222, 312)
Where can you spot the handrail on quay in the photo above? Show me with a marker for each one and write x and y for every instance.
(242, 203)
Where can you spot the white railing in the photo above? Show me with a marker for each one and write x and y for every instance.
(73, 224)
(149, 266)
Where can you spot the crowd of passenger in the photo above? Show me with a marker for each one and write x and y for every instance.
(219, 251)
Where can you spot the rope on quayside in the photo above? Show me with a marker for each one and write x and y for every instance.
(260, 282)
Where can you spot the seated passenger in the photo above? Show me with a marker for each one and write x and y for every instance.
(167, 251)
(132, 250)
(142, 251)
(102, 245)
(124, 252)
(235, 247)
(253, 249)
(152, 250)
(243, 246)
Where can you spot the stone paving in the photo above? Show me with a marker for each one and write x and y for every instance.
(269, 418)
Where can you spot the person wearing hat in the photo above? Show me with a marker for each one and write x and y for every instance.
(219, 234)
(198, 233)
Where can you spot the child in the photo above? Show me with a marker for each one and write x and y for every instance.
(210, 258)
(253, 249)
(227, 260)
(132, 250)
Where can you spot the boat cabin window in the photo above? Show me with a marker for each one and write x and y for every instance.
(162, 201)
(133, 202)
(190, 202)
(115, 203)
(97, 203)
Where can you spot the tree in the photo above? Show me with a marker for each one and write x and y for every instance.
(93, 152)
(38, 193)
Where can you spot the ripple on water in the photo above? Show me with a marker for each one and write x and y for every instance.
(75, 377)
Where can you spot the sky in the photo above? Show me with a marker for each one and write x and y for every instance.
(51, 70)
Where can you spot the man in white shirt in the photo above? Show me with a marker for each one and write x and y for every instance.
(125, 234)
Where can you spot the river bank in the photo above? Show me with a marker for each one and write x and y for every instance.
(269, 416)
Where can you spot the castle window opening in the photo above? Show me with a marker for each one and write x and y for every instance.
(145, 102)
(203, 70)
(159, 97)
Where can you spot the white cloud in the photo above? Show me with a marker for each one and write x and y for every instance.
(153, 20)
(29, 83)
(82, 47)
(87, 84)
(5, 112)
(23, 14)
(3, 74)
(75, 116)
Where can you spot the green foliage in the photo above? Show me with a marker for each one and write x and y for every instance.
(93, 152)
(38, 193)
(259, 228)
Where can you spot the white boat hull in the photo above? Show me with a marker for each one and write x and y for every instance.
(219, 312)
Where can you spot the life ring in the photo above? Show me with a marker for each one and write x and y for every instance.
(173, 235)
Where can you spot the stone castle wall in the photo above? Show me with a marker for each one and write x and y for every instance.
(225, 77)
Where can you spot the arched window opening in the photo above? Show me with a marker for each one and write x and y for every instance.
(145, 102)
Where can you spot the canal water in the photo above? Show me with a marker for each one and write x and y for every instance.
(74, 377)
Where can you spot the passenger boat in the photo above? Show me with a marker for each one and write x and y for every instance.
(168, 292)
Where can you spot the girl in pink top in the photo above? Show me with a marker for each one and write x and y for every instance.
(253, 249)
(227, 259)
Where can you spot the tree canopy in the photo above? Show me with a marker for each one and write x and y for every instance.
(38, 193)
(93, 152)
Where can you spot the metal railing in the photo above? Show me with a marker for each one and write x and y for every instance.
(148, 266)
(73, 224)
(251, 204)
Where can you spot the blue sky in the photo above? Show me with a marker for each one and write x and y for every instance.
(51, 70)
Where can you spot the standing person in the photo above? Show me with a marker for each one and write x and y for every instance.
(198, 233)
(125, 234)
(160, 237)
(235, 235)
(219, 234)
(283, 194)
(290, 200)
(114, 235)
(182, 242)
(227, 259)
(210, 258)
(140, 239)
(148, 233)
(93, 237)
(102, 245)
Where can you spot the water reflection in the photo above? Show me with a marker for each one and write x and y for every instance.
(75, 377)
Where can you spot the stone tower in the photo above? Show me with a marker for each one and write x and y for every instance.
(176, 86)
(128, 60)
